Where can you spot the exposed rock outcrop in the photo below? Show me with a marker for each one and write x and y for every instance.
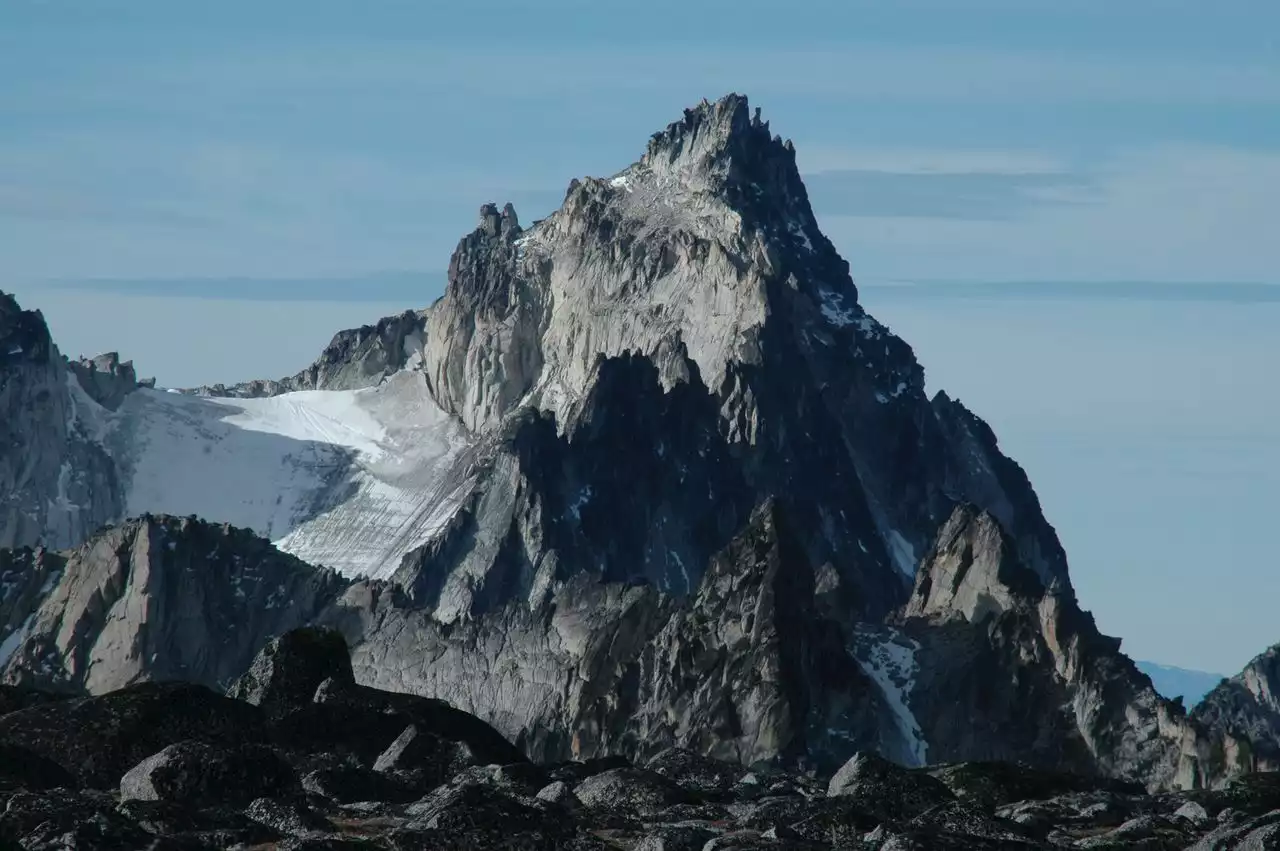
(1009, 668)
(57, 483)
(1247, 707)
(157, 598)
(355, 358)
(106, 379)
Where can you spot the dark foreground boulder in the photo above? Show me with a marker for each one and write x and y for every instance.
(63, 819)
(992, 784)
(884, 788)
(97, 739)
(21, 768)
(288, 670)
(198, 773)
(633, 792)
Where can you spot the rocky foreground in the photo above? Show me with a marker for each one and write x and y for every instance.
(298, 756)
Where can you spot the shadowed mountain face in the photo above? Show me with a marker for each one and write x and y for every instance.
(647, 475)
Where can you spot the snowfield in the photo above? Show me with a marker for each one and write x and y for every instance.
(349, 479)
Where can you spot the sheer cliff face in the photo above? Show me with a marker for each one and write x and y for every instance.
(1011, 669)
(1247, 707)
(57, 485)
(157, 598)
(696, 280)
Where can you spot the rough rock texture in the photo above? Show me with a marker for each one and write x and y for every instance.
(106, 379)
(57, 484)
(1008, 668)
(355, 358)
(747, 668)
(196, 772)
(98, 739)
(157, 598)
(1247, 706)
(150, 786)
(289, 669)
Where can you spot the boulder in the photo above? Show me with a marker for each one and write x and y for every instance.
(64, 819)
(633, 792)
(21, 768)
(432, 759)
(349, 784)
(287, 817)
(883, 787)
(196, 827)
(696, 773)
(287, 671)
(429, 715)
(197, 773)
(97, 739)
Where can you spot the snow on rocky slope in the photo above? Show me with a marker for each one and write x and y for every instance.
(348, 479)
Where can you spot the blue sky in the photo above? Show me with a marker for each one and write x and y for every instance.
(318, 161)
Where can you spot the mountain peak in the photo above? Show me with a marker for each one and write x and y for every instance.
(727, 148)
(711, 126)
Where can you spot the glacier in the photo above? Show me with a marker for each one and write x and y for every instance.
(348, 479)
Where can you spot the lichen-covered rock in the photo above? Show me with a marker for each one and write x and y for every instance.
(287, 671)
(630, 791)
(98, 739)
(60, 819)
(287, 817)
(882, 787)
(21, 768)
(194, 772)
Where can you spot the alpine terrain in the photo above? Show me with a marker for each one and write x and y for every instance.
(646, 486)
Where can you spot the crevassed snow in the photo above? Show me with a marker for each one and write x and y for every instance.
(350, 479)
(888, 658)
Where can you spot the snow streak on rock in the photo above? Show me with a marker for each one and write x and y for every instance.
(888, 658)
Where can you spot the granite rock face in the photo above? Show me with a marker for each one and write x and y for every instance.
(57, 483)
(1247, 707)
(1009, 669)
(106, 379)
(157, 598)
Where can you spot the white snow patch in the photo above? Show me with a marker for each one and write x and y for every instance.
(797, 231)
(904, 555)
(684, 571)
(575, 508)
(889, 659)
(350, 479)
(834, 310)
(64, 479)
(621, 181)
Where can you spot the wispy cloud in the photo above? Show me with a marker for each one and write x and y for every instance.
(975, 195)
(407, 288)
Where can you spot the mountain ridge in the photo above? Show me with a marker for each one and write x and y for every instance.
(671, 443)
